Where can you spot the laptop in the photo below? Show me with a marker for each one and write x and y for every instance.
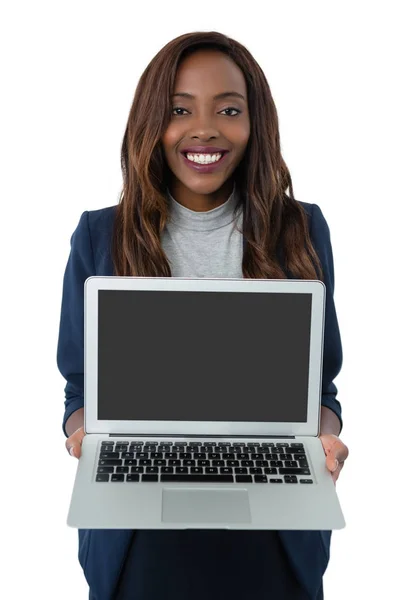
(202, 406)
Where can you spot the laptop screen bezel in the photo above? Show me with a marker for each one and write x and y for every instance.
(203, 428)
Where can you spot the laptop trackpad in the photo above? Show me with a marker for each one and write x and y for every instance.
(205, 506)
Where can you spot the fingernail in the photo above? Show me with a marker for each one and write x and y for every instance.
(71, 451)
(336, 465)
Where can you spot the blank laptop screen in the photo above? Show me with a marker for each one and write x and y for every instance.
(203, 356)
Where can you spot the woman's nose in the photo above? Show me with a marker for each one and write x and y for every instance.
(203, 128)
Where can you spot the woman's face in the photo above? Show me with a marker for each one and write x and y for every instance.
(210, 118)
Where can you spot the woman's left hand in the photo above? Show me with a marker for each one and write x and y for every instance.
(336, 453)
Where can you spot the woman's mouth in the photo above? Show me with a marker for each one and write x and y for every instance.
(204, 162)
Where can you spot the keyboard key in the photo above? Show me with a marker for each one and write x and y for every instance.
(306, 480)
(135, 448)
(247, 463)
(270, 471)
(256, 470)
(137, 469)
(107, 449)
(145, 461)
(276, 463)
(102, 477)
(189, 463)
(167, 470)
(303, 464)
(130, 462)
(218, 463)
(196, 470)
(106, 469)
(107, 443)
(281, 444)
(142, 455)
(205, 478)
(260, 479)
(111, 463)
(174, 462)
(226, 470)
(290, 479)
(200, 455)
(244, 479)
(182, 470)
(156, 455)
(232, 463)
(241, 471)
(159, 462)
(285, 471)
(132, 477)
(127, 455)
(211, 470)
(204, 463)
(290, 463)
(171, 455)
(109, 454)
(122, 469)
(117, 477)
(276, 480)
(149, 477)
(296, 445)
(151, 469)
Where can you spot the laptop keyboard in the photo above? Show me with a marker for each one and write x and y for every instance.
(208, 462)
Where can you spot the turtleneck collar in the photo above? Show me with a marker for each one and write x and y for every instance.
(205, 220)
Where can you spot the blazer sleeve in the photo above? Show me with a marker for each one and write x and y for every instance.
(333, 357)
(70, 349)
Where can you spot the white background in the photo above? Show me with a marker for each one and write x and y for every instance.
(68, 75)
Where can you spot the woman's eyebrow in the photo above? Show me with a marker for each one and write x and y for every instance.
(217, 97)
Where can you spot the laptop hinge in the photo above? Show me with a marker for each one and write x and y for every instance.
(193, 436)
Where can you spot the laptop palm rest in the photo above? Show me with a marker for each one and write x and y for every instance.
(193, 505)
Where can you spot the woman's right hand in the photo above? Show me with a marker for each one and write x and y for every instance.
(74, 442)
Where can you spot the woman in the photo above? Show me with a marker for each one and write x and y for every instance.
(204, 196)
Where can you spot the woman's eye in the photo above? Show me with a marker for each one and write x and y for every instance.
(237, 111)
(177, 108)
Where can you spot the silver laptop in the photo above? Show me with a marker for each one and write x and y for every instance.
(202, 406)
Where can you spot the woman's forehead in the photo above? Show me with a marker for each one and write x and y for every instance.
(207, 72)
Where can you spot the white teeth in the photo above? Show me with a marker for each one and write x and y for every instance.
(204, 158)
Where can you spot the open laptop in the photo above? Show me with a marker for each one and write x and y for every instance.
(202, 406)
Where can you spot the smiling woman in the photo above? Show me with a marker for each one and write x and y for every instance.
(206, 193)
(203, 119)
(206, 141)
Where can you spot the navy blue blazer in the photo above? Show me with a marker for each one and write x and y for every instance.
(102, 551)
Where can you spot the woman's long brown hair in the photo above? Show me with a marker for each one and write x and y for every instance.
(275, 227)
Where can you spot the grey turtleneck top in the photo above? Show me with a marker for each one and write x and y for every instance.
(204, 244)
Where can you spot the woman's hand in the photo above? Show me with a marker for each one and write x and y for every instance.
(336, 453)
(74, 442)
